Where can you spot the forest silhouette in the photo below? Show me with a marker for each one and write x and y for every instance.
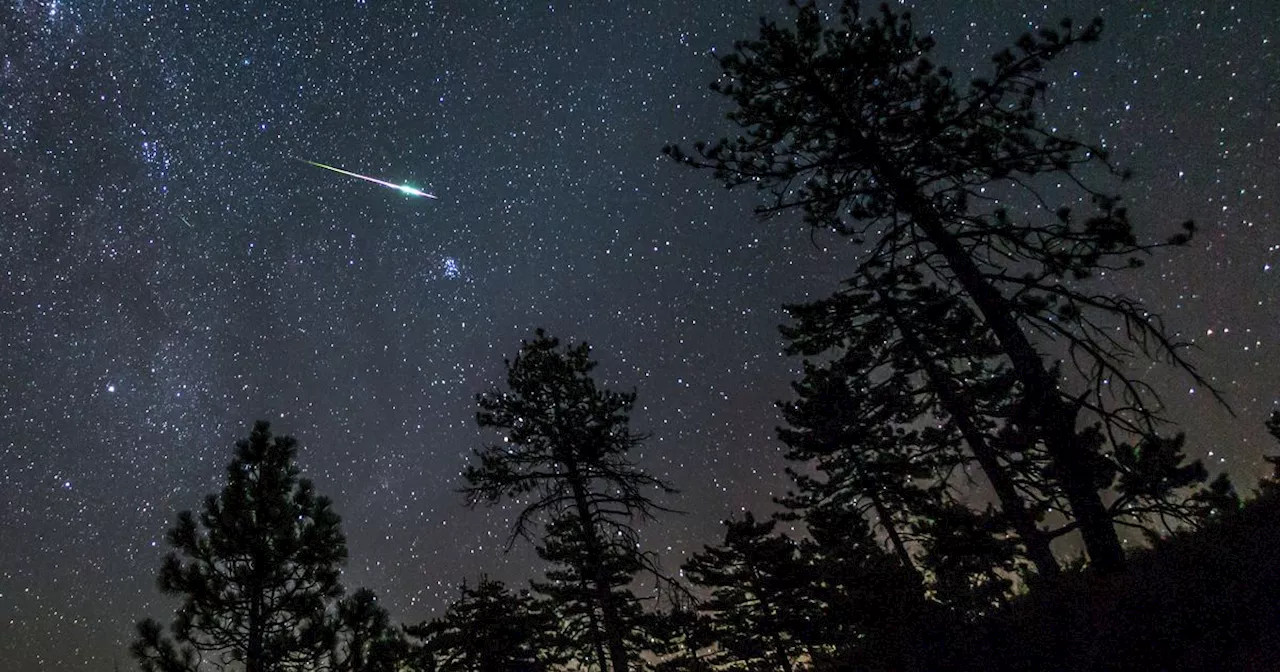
(968, 351)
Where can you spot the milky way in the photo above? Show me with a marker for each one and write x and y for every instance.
(170, 274)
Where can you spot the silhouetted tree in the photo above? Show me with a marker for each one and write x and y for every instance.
(758, 611)
(566, 454)
(911, 399)
(257, 571)
(1152, 476)
(855, 458)
(970, 562)
(1271, 483)
(573, 598)
(365, 640)
(1199, 598)
(487, 629)
(679, 637)
(854, 126)
(870, 612)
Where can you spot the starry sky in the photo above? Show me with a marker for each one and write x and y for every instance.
(171, 271)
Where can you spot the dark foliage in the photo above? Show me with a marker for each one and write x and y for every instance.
(895, 421)
(852, 125)
(758, 612)
(1197, 600)
(257, 571)
(487, 629)
(566, 455)
(1271, 484)
(572, 597)
(364, 639)
(867, 609)
(679, 641)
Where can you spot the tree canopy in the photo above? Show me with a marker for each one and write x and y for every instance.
(566, 455)
(850, 123)
(257, 571)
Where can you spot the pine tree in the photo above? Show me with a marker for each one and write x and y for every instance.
(757, 612)
(572, 597)
(854, 126)
(487, 629)
(679, 637)
(871, 612)
(257, 571)
(365, 640)
(1151, 474)
(567, 455)
(1270, 484)
(970, 561)
(864, 461)
(913, 396)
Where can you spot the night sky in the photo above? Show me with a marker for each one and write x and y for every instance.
(172, 272)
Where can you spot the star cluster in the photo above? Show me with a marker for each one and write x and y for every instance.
(171, 271)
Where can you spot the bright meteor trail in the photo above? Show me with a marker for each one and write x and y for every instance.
(402, 188)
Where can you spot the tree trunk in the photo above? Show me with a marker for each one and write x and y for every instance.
(1011, 504)
(1055, 420)
(595, 569)
(895, 539)
(254, 649)
(780, 657)
(356, 663)
(597, 641)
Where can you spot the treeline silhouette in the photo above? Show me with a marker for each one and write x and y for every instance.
(967, 353)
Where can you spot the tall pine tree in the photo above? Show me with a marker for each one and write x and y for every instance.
(257, 571)
(854, 126)
(566, 454)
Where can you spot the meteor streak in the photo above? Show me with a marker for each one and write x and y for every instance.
(402, 188)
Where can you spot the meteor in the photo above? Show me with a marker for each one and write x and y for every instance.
(402, 188)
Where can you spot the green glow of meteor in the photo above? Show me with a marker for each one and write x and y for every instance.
(402, 188)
